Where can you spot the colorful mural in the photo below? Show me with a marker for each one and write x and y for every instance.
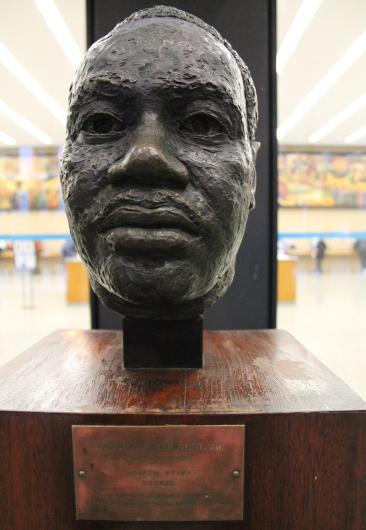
(30, 182)
(325, 180)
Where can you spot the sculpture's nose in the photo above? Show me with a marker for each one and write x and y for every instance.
(149, 159)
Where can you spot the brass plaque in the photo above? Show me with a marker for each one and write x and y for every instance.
(159, 473)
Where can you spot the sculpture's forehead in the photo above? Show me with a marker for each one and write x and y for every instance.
(155, 52)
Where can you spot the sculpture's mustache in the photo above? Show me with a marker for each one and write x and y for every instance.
(155, 210)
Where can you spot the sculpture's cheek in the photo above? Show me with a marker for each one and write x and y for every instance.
(222, 176)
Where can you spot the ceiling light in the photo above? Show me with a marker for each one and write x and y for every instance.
(24, 123)
(60, 30)
(7, 140)
(292, 38)
(18, 70)
(351, 138)
(357, 48)
(339, 118)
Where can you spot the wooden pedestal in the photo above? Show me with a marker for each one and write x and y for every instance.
(305, 447)
(286, 279)
(77, 281)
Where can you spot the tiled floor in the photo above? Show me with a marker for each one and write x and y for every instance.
(329, 318)
(21, 327)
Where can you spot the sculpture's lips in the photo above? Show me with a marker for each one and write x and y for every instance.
(138, 229)
(147, 218)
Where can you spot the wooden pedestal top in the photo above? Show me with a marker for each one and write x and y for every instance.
(245, 372)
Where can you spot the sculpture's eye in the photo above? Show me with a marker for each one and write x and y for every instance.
(202, 124)
(102, 123)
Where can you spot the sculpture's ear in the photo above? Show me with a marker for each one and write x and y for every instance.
(253, 179)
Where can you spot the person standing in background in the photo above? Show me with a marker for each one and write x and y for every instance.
(319, 248)
(360, 247)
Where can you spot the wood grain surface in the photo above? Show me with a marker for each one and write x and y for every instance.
(305, 455)
(244, 372)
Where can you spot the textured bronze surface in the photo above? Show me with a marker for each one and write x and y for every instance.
(158, 168)
(159, 473)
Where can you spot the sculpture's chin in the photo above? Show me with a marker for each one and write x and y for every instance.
(164, 307)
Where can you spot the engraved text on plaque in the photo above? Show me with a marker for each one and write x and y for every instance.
(159, 473)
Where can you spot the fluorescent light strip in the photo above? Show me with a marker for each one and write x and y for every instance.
(357, 135)
(60, 30)
(18, 70)
(293, 36)
(339, 118)
(357, 48)
(22, 122)
(7, 140)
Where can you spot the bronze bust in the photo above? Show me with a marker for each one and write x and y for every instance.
(158, 169)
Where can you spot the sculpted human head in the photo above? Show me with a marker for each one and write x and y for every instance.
(158, 169)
